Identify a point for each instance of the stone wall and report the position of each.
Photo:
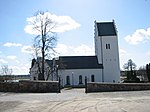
(106, 87)
(30, 86)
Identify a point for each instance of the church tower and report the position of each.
(106, 50)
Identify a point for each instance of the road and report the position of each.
(75, 100)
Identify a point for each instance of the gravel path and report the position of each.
(75, 100)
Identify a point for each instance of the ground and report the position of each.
(75, 100)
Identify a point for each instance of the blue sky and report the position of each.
(131, 16)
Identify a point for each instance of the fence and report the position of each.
(30, 86)
(106, 87)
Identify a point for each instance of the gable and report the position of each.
(49, 62)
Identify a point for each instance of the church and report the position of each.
(102, 67)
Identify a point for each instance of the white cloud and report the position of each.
(83, 50)
(20, 69)
(17, 61)
(3, 61)
(11, 57)
(68, 50)
(140, 35)
(14, 58)
(59, 23)
(17, 70)
(27, 49)
(9, 44)
(148, 54)
(122, 53)
(62, 49)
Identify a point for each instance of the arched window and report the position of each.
(68, 80)
(34, 78)
(92, 78)
(80, 79)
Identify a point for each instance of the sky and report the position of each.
(75, 35)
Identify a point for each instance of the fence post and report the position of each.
(85, 84)
(59, 91)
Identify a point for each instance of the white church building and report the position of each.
(102, 67)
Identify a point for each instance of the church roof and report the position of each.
(106, 29)
(80, 62)
(75, 62)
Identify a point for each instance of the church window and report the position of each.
(107, 46)
(92, 78)
(80, 79)
(67, 80)
(34, 78)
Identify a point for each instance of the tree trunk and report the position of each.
(42, 77)
(43, 52)
(43, 55)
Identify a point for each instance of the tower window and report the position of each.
(107, 46)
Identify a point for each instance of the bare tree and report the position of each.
(6, 72)
(45, 41)
(141, 72)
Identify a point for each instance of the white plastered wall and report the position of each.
(75, 73)
(111, 59)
